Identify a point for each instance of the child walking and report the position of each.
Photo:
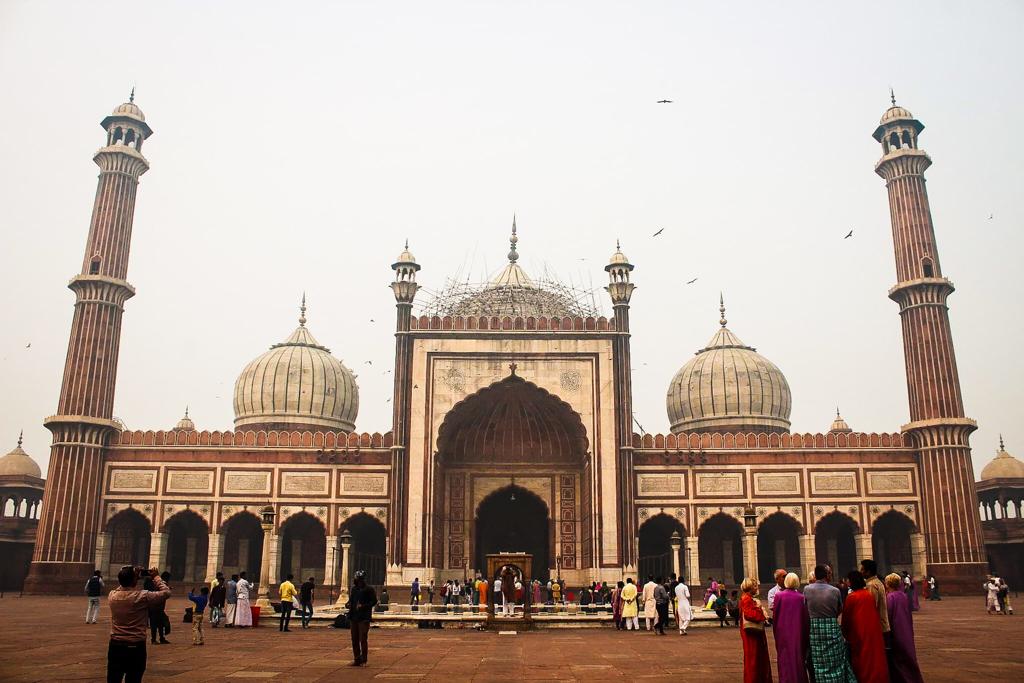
(197, 613)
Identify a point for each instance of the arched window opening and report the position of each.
(656, 557)
(927, 267)
(94, 266)
(894, 141)
(890, 540)
(303, 547)
(243, 546)
(9, 507)
(720, 549)
(118, 136)
(129, 138)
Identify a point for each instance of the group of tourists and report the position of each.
(477, 591)
(658, 599)
(864, 634)
(997, 596)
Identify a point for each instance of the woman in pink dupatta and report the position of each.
(902, 654)
(617, 604)
(791, 626)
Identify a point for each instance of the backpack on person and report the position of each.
(94, 586)
(341, 621)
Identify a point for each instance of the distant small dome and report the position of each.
(839, 424)
(297, 384)
(185, 424)
(895, 113)
(1003, 466)
(618, 258)
(129, 109)
(18, 463)
(728, 387)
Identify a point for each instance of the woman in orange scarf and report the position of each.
(757, 667)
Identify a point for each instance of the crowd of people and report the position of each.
(997, 596)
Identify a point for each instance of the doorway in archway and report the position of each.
(720, 549)
(513, 520)
(655, 536)
(369, 545)
(890, 541)
(834, 543)
(187, 542)
(778, 546)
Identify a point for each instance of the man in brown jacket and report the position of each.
(869, 570)
(129, 621)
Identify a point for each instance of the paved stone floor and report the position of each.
(44, 639)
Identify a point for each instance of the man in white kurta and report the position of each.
(650, 607)
(243, 612)
(684, 613)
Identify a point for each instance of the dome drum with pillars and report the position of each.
(728, 387)
(1001, 499)
(297, 385)
(21, 496)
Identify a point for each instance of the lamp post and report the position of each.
(750, 541)
(267, 515)
(345, 539)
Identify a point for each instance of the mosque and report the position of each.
(512, 430)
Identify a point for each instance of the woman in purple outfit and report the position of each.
(791, 625)
(903, 667)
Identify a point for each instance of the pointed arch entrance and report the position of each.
(890, 542)
(834, 543)
(188, 538)
(513, 520)
(778, 545)
(655, 547)
(369, 547)
(720, 549)
(130, 535)
(512, 438)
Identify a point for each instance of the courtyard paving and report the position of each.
(44, 639)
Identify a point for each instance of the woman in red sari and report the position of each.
(757, 667)
(863, 631)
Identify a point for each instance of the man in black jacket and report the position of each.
(361, 601)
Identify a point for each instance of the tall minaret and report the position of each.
(66, 540)
(938, 427)
(620, 289)
(404, 287)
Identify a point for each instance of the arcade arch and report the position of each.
(130, 535)
(834, 543)
(369, 547)
(720, 549)
(890, 542)
(655, 547)
(778, 545)
(188, 539)
(513, 519)
(243, 545)
(303, 547)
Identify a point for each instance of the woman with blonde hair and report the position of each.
(757, 667)
(792, 628)
(903, 667)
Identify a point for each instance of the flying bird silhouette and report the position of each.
(660, 230)
(28, 346)
(848, 235)
(664, 101)
(692, 281)
(369, 362)
(991, 216)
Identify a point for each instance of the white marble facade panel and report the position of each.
(889, 482)
(132, 480)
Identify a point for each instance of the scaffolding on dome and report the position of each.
(539, 297)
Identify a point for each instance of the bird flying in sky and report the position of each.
(664, 101)
(848, 235)
(692, 281)
(991, 216)
(660, 230)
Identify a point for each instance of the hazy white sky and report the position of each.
(298, 144)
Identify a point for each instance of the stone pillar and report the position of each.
(263, 602)
(190, 559)
(103, 552)
(330, 578)
(215, 557)
(158, 551)
(807, 561)
(344, 579)
(676, 544)
(275, 558)
(919, 555)
(749, 555)
(863, 543)
(692, 561)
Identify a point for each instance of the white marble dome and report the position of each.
(729, 387)
(297, 385)
(1003, 466)
(18, 463)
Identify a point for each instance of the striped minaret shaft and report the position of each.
(70, 519)
(938, 426)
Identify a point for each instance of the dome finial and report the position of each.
(186, 410)
(407, 243)
(837, 411)
(21, 435)
(721, 309)
(302, 311)
(892, 96)
(131, 98)
(513, 255)
(1001, 446)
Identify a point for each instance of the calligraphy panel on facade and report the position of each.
(186, 481)
(132, 481)
(719, 483)
(833, 483)
(890, 481)
(661, 484)
(375, 484)
(237, 481)
(305, 483)
(777, 483)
